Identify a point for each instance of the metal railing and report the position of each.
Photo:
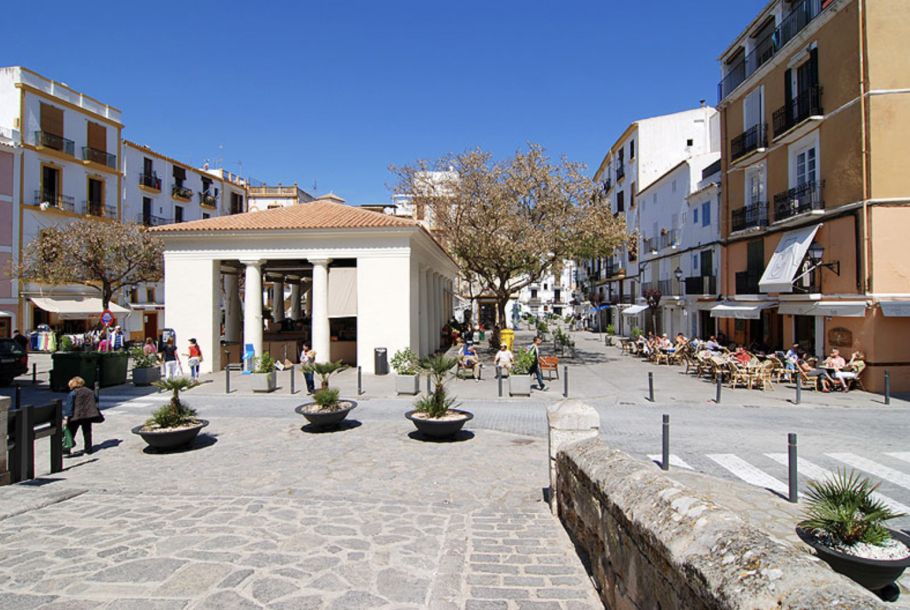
(181, 191)
(799, 200)
(649, 244)
(49, 140)
(751, 139)
(669, 238)
(151, 181)
(608, 184)
(61, 202)
(754, 215)
(668, 287)
(747, 282)
(701, 284)
(152, 221)
(807, 103)
(208, 199)
(93, 208)
(99, 156)
(791, 25)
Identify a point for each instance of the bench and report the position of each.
(549, 365)
(467, 372)
(24, 427)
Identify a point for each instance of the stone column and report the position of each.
(309, 300)
(278, 300)
(232, 315)
(424, 313)
(320, 293)
(437, 311)
(295, 298)
(569, 421)
(252, 305)
(4, 466)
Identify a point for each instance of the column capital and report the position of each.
(322, 262)
(252, 263)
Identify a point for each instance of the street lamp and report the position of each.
(678, 274)
(816, 252)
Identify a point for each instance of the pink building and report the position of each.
(9, 165)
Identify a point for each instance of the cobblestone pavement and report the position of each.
(263, 514)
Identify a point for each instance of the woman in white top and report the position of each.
(504, 360)
(308, 356)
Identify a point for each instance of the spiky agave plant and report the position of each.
(175, 413)
(843, 508)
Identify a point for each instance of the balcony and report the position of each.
(648, 287)
(701, 284)
(44, 139)
(608, 184)
(669, 239)
(747, 282)
(800, 200)
(668, 287)
(610, 269)
(620, 172)
(804, 105)
(752, 139)
(99, 156)
(152, 221)
(46, 200)
(208, 200)
(150, 181)
(752, 216)
(650, 245)
(181, 192)
(94, 208)
(792, 24)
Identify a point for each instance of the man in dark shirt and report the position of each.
(22, 340)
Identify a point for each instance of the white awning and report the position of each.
(77, 308)
(786, 260)
(634, 310)
(828, 309)
(142, 306)
(342, 292)
(895, 309)
(741, 311)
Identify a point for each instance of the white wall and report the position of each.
(384, 304)
(193, 298)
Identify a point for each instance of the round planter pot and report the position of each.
(440, 428)
(325, 419)
(170, 439)
(874, 574)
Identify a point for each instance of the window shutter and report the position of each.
(788, 86)
(179, 173)
(813, 66)
(51, 120)
(97, 136)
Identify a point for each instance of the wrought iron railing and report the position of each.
(701, 284)
(799, 200)
(151, 181)
(620, 172)
(183, 192)
(99, 156)
(754, 215)
(669, 238)
(751, 139)
(96, 208)
(208, 199)
(807, 103)
(49, 140)
(61, 202)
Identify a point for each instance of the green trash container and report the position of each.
(67, 365)
(113, 368)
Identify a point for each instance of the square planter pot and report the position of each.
(519, 385)
(407, 384)
(146, 376)
(264, 382)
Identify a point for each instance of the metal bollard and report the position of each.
(794, 475)
(227, 379)
(428, 383)
(887, 388)
(18, 396)
(34, 373)
(565, 382)
(650, 386)
(719, 386)
(293, 381)
(799, 391)
(499, 379)
(359, 380)
(97, 391)
(665, 449)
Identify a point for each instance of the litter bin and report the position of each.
(507, 336)
(380, 361)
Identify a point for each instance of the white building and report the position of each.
(554, 294)
(374, 281)
(264, 197)
(10, 159)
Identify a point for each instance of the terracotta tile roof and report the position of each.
(318, 214)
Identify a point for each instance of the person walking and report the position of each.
(21, 340)
(194, 357)
(80, 410)
(149, 348)
(170, 358)
(307, 357)
(535, 367)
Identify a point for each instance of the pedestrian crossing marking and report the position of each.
(904, 456)
(675, 461)
(748, 473)
(880, 470)
(817, 473)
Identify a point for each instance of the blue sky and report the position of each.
(335, 92)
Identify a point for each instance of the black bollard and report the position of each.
(650, 386)
(665, 457)
(18, 396)
(565, 382)
(887, 388)
(719, 386)
(359, 380)
(227, 379)
(34, 373)
(794, 475)
(799, 391)
(293, 381)
(97, 391)
(499, 379)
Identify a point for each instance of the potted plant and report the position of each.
(435, 414)
(520, 379)
(405, 363)
(844, 523)
(635, 333)
(265, 379)
(145, 367)
(326, 409)
(175, 424)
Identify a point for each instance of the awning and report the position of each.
(828, 309)
(343, 292)
(77, 308)
(741, 311)
(5, 314)
(787, 260)
(634, 310)
(144, 306)
(895, 309)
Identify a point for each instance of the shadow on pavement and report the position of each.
(461, 436)
(201, 442)
(345, 424)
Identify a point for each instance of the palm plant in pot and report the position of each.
(146, 369)
(174, 424)
(265, 379)
(436, 414)
(844, 523)
(405, 363)
(327, 409)
(520, 379)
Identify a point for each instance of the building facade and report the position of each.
(10, 158)
(264, 197)
(814, 109)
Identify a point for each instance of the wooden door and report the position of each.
(150, 327)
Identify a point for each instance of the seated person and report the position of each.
(504, 360)
(664, 342)
(791, 357)
(836, 362)
(852, 370)
(712, 344)
(681, 340)
(741, 356)
(810, 368)
(467, 358)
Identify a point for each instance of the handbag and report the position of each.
(68, 442)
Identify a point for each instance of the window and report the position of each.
(178, 213)
(147, 167)
(694, 261)
(50, 185)
(695, 215)
(52, 128)
(632, 196)
(533, 293)
(689, 143)
(556, 295)
(631, 149)
(804, 162)
(179, 176)
(755, 184)
(673, 186)
(236, 203)
(205, 215)
(95, 197)
(134, 295)
(707, 263)
(706, 213)
(753, 109)
(147, 211)
(206, 184)
(620, 201)
(545, 286)
(97, 137)
(150, 295)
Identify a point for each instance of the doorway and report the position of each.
(150, 325)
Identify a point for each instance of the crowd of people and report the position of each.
(503, 360)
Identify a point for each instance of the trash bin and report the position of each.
(380, 361)
(507, 336)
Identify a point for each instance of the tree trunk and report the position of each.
(106, 295)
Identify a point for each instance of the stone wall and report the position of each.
(654, 544)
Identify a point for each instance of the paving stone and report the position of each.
(147, 604)
(486, 604)
(358, 599)
(499, 593)
(141, 570)
(17, 601)
(401, 586)
(264, 590)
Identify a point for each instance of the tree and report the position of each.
(103, 256)
(508, 223)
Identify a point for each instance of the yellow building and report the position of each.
(815, 119)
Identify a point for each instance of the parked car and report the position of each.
(13, 361)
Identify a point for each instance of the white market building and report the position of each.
(342, 279)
